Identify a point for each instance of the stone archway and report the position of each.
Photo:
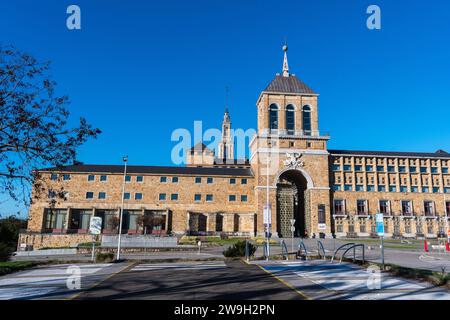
(291, 203)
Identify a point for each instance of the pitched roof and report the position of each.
(200, 147)
(290, 84)
(437, 154)
(201, 171)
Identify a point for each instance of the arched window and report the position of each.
(290, 119)
(273, 117)
(306, 116)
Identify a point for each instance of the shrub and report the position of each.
(105, 257)
(5, 251)
(238, 250)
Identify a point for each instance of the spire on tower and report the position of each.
(226, 116)
(285, 61)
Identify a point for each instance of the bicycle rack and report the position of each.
(321, 247)
(284, 250)
(300, 246)
(341, 247)
(354, 252)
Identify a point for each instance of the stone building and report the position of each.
(290, 175)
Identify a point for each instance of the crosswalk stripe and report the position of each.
(145, 267)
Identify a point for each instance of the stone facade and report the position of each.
(331, 193)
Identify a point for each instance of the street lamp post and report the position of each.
(125, 160)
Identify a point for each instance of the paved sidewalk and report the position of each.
(51, 282)
(319, 279)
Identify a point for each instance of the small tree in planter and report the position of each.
(113, 223)
(144, 221)
(158, 222)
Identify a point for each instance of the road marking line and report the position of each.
(101, 281)
(285, 283)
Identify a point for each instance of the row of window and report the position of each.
(396, 224)
(163, 196)
(384, 206)
(198, 197)
(401, 169)
(403, 189)
(392, 161)
(290, 118)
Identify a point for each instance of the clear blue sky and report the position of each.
(140, 69)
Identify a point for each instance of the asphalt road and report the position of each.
(192, 281)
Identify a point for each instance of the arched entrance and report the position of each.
(291, 201)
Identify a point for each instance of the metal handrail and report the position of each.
(302, 244)
(354, 252)
(320, 246)
(284, 250)
(341, 247)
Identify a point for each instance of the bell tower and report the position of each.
(289, 157)
(226, 146)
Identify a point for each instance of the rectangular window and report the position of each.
(54, 176)
(337, 187)
(139, 178)
(403, 189)
(391, 169)
(174, 196)
(66, 177)
(361, 207)
(231, 197)
(89, 195)
(359, 187)
(392, 189)
(384, 207)
(381, 188)
(380, 168)
(209, 197)
(436, 189)
(425, 189)
(198, 180)
(163, 179)
(336, 167)
(412, 169)
(446, 190)
(209, 180)
(402, 169)
(414, 189)
(423, 170)
(406, 208)
(55, 219)
(444, 170)
(232, 181)
(370, 188)
(127, 178)
(447, 208)
(244, 198)
(358, 168)
(369, 168)
(347, 167)
(91, 177)
(197, 197)
(348, 187)
(103, 178)
(174, 179)
(102, 195)
(244, 181)
(126, 196)
(434, 170)
(429, 208)
(138, 196)
(321, 213)
(162, 196)
(338, 207)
